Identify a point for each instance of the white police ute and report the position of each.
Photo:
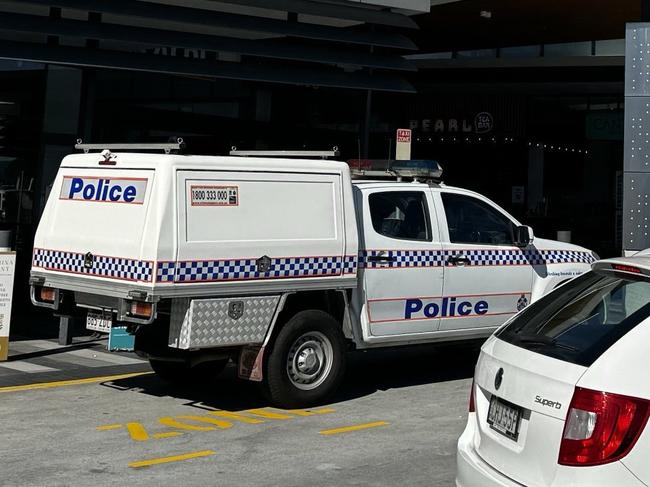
(280, 263)
(560, 394)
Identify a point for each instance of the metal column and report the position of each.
(636, 163)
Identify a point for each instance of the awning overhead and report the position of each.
(80, 56)
(370, 14)
(361, 46)
(158, 37)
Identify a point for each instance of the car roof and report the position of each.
(372, 183)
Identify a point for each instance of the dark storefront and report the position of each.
(541, 135)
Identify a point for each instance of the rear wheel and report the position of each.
(306, 362)
(182, 373)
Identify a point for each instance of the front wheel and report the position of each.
(306, 363)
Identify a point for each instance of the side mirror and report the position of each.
(524, 236)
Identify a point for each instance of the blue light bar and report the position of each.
(382, 168)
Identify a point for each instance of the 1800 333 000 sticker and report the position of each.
(214, 195)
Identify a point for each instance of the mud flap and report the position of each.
(250, 363)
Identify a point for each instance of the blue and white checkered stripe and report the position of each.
(286, 267)
(561, 256)
(401, 258)
(477, 257)
(103, 266)
(243, 269)
(350, 264)
(165, 271)
(494, 257)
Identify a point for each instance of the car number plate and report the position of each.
(504, 417)
(99, 322)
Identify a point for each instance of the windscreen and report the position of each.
(579, 321)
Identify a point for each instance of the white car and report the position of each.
(561, 392)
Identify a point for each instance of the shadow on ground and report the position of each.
(367, 373)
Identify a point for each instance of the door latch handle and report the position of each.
(459, 260)
(381, 258)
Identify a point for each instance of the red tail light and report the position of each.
(626, 268)
(472, 404)
(601, 427)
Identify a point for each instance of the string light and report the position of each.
(476, 139)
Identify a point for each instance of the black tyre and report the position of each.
(306, 362)
(182, 374)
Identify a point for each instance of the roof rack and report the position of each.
(317, 154)
(166, 147)
(414, 169)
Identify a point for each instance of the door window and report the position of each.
(400, 214)
(470, 220)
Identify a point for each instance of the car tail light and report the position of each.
(626, 268)
(472, 404)
(140, 308)
(601, 427)
(47, 294)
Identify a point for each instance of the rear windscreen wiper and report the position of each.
(543, 340)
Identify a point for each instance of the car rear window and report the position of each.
(579, 321)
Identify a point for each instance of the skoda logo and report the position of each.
(498, 379)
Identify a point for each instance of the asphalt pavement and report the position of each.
(395, 421)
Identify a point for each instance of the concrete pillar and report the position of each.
(66, 330)
(63, 93)
(636, 153)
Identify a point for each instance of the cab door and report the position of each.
(488, 278)
(401, 262)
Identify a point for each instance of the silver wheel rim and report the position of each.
(309, 361)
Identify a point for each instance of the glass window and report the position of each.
(470, 220)
(581, 320)
(400, 214)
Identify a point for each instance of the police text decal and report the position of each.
(103, 190)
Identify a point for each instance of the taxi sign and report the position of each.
(403, 145)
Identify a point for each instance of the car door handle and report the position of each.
(381, 258)
(459, 260)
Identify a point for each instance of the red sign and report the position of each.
(403, 135)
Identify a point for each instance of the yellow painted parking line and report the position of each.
(356, 427)
(137, 431)
(173, 458)
(174, 423)
(167, 434)
(72, 382)
(267, 414)
(236, 417)
(203, 419)
(109, 427)
(310, 412)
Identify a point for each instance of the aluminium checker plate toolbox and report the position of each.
(203, 323)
